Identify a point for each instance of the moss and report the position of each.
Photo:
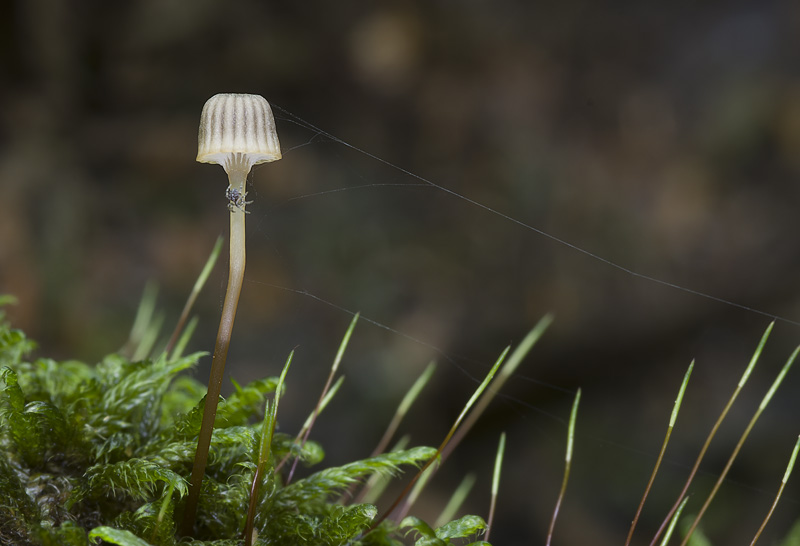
(103, 453)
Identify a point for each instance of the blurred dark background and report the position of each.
(664, 137)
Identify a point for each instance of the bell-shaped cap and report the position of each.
(237, 128)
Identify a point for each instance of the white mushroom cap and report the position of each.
(237, 128)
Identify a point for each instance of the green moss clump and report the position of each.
(103, 453)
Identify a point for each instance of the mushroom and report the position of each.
(237, 131)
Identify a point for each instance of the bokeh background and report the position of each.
(664, 137)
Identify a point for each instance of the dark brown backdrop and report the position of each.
(662, 137)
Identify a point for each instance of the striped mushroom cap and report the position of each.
(237, 129)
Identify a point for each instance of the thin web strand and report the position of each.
(450, 359)
(301, 122)
(350, 188)
(667, 462)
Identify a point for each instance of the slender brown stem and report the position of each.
(740, 443)
(649, 486)
(470, 403)
(404, 493)
(702, 454)
(567, 465)
(304, 439)
(672, 419)
(697, 462)
(505, 373)
(786, 474)
(481, 400)
(237, 178)
(251, 507)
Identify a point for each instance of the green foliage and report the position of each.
(136, 478)
(442, 536)
(117, 536)
(101, 454)
(310, 454)
(326, 482)
(245, 402)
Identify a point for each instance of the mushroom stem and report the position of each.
(237, 176)
(236, 131)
